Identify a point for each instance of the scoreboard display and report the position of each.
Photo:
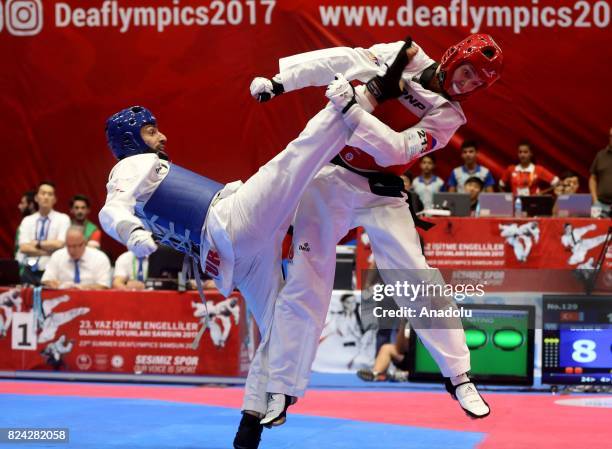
(501, 343)
(577, 340)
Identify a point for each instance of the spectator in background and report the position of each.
(130, 272)
(415, 202)
(40, 234)
(600, 181)
(27, 206)
(569, 185)
(469, 169)
(526, 178)
(77, 265)
(473, 186)
(396, 353)
(79, 210)
(427, 184)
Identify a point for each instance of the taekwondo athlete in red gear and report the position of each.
(340, 197)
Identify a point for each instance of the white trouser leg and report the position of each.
(272, 194)
(322, 218)
(259, 281)
(396, 246)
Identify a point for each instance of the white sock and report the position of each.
(459, 379)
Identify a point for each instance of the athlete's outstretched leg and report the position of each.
(272, 194)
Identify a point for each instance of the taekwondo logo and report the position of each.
(22, 17)
(576, 241)
(521, 238)
(305, 247)
(83, 362)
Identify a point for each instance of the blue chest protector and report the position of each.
(176, 211)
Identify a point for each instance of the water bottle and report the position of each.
(477, 211)
(518, 207)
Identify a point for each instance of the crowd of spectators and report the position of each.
(57, 250)
(524, 178)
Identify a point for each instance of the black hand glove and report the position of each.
(387, 86)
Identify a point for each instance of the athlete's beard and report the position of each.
(162, 155)
(160, 150)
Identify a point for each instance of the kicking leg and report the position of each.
(271, 195)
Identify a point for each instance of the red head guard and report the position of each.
(481, 51)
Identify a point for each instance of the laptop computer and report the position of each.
(537, 205)
(576, 205)
(496, 205)
(165, 264)
(9, 272)
(457, 203)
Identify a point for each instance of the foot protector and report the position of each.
(469, 399)
(278, 404)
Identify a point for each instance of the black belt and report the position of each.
(387, 184)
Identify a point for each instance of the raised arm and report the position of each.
(318, 68)
(389, 147)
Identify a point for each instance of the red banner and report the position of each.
(67, 65)
(539, 255)
(509, 243)
(123, 332)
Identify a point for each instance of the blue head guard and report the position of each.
(123, 131)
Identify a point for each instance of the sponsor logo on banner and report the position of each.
(23, 17)
(83, 362)
(117, 361)
(101, 361)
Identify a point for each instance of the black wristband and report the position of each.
(277, 88)
(374, 87)
(349, 105)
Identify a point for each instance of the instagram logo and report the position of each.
(24, 17)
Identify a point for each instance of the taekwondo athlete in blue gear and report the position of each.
(236, 230)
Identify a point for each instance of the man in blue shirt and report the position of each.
(469, 169)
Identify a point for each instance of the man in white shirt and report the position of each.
(130, 272)
(77, 265)
(41, 233)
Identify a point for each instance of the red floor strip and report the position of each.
(517, 421)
